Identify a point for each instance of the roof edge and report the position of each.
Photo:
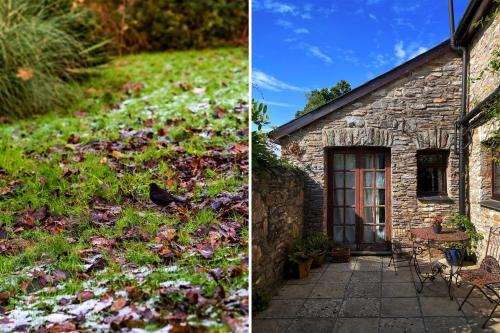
(362, 90)
(474, 11)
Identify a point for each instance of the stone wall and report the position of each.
(277, 218)
(416, 111)
(482, 84)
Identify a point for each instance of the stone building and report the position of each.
(386, 153)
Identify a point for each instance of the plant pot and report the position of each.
(341, 254)
(437, 229)
(453, 256)
(318, 260)
(471, 257)
(303, 268)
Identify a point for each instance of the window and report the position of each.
(496, 179)
(431, 172)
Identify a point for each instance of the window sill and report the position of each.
(492, 204)
(435, 198)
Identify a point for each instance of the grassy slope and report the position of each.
(41, 165)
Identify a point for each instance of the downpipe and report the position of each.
(461, 127)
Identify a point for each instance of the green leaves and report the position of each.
(319, 97)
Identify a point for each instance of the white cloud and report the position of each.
(404, 23)
(403, 53)
(315, 51)
(290, 39)
(278, 7)
(284, 105)
(398, 8)
(380, 60)
(268, 82)
(418, 51)
(301, 31)
(308, 7)
(306, 16)
(399, 51)
(373, 17)
(373, 2)
(284, 23)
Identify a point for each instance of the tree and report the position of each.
(319, 97)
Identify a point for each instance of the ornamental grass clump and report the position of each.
(40, 51)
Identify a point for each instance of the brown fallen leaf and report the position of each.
(116, 154)
(119, 304)
(62, 327)
(4, 297)
(74, 139)
(24, 74)
(85, 295)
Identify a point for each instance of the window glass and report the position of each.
(496, 180)
(431, 172)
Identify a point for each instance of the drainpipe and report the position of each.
(461, 129)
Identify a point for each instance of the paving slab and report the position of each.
(401, 325)
(399, 276)
(366, 276)
(312, 278)
(328, 290)
(291, 291)
(335, 277)
(360, 307)
(320, 308)
(439, 307)
(360, 289)
(280, 308)
(305, 325)
(447, 325)
(341, 266)
(270, 325)
(400, 307)
(399, 289)
(350, 325)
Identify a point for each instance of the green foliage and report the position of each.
(260, 300)
(297, 252)
(172, 24)
(40, 50)
(263, 156)
(259, 114)
(319, 97)
(470, 229)
(316, 242)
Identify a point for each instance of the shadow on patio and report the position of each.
(365, 295)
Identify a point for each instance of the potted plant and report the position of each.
(437, 224)
(453, 252)
(300, 262)
(462, 222)
(316, 244)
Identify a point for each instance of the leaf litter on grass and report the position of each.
(82, 248)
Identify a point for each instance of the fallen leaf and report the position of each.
(85, 295)
(119, 304)
(62, 327)
(116, 154)
(24, 73)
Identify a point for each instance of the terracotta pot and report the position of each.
(318, 260)
(304, 268)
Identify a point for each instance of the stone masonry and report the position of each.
(485, 41)
(416, 111)
(277, 208)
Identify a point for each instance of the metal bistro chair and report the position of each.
(487, 277)
(402, 246)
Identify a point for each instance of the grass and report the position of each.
(53, 170)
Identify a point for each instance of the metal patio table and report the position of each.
(435, 240)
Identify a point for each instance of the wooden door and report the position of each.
(359, 198)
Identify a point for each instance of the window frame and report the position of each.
(443, 165)
(493, 174)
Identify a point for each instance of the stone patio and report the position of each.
(366, 296)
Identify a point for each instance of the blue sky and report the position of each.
(301, 45)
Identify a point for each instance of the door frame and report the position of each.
(330, 151)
